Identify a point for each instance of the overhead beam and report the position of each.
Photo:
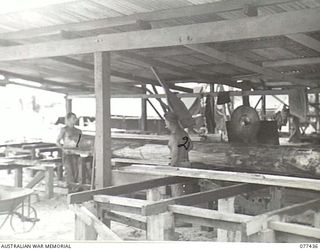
(138, 79)
(188, 11)
(306, 40)
(291, 62)
(42, 81)
(156, 63)
(215, 94)
(83, 66)
(241, 63)
(245, 28)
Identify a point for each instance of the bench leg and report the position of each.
(18, 177)
(49, 182)
(227, 205)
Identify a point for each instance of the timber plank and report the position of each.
(124, 189)
(197, 198)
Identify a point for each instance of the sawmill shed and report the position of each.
(252, 190)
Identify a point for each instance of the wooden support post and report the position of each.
(49, 182)
(144, 115)
(83, 231)
(264, 236)
(102, 66)
(276, 198)
(101, 214)
(156, 194)
(160, 227)
(68, 105)
(317, 112)
(18, 177)
(263, 108)
(227, 206)
(82, 170)
(316, 219)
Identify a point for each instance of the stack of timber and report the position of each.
(301, 161)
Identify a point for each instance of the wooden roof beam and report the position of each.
(138, 79)
(41, 80)
(188, 11)
(156, 63)
(245, 28)
(67, 87)
(306, 41)
(241, 63)
(292, 62)
(80, 64)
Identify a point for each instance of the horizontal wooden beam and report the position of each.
(120, 204)
(123, 189)
(197, 198)
(215, 94)
(245, 28)
(259, 221)
(209, 218)
(40, 80)
(295, 229)
(188, 11)
(262, 179)
(126, 219)
(306, 41)
(173, 68)
(292, 62)
(209, 214)
(244, 64)
(136, 78)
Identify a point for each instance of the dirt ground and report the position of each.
(57, 220)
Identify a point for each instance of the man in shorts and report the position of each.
(70, 136)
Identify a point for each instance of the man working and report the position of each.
(179, 144)
(70, 137)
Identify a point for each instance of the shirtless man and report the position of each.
(179, 144)
(70, 137)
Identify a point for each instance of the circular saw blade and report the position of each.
(245, 123)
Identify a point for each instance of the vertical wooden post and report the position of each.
(276, 198)
(102, 64)
(49, 182)
(246, 99)
(82, 170)
(101, 214)
(316, 219)
(156, 194)
(227, 206)
(68, 105)
(264, 236)
(317, 112)
(18, 177)
(160, 227)
(83, 231)
(263, 108)
(144, 115)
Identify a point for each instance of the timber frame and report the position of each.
(158, 214)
